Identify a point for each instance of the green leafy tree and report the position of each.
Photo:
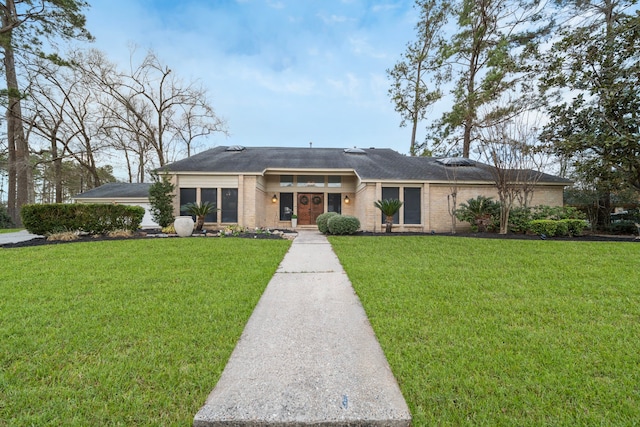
(200, 211)
(24, 25)
(592, 79)
(486, 56)
(410, 84)
(161, 199)
(388, 207)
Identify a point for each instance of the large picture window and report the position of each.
(286, 206)
(391, 193)
(411, 205)
(210, 195)
(229, 211)
(187, 195)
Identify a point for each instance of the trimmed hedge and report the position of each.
(343, 224)
(322, 220)
(563, 227)
(91, 218)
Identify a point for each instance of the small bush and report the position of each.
(519, 219)
(623, 227)
(343, 224)
(547, 227)
(5, 219)
(575, 227)
(322, 220)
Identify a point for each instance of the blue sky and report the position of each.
(281, 72)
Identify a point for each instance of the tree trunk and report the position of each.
(20, 172)
(388, 223)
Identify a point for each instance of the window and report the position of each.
(210, 195)
(391, 193)
(286, 206)
(411, 205)
(310, 181)
(286, 180)
(229, 209)
(187, 195)
(334, 202)
(334, 181)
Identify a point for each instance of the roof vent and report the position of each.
(235, 148)
(354, 150)
(456, 161)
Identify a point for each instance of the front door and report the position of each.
(310, 205)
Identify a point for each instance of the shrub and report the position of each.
(161, 200)
(90, 218)
(322, 221)
(343, 224)
(575, 227)
(519, 219)
(547, 227)
(623, 227)
(5, 219)
(481, 213)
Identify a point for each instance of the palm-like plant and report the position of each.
(200, 211)
(388, 207)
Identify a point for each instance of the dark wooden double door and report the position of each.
(310, 205)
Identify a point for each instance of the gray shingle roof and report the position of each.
(369, 164)
(117, 190)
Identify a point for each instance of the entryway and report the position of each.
(310, 205)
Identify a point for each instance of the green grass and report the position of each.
(126, 332)
(495, 332)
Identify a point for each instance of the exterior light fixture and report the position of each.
(274, 199)
(347, 200)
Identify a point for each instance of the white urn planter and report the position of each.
(183, 226)
(294, 222)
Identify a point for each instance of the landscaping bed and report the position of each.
(149, 234)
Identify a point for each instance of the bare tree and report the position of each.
(24, 24)
(64, 113)
(509, 149)
(160, 113)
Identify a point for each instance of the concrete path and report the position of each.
(16, 237)
(308, 355)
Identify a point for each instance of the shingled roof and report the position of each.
(369, 164)
(117, 190)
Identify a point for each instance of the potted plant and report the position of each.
(294, 221)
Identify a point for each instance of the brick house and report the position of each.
(264, 186)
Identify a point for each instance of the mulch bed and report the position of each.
(141, 235)
(587, 237)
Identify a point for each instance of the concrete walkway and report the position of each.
(17, 237)
(308, 355)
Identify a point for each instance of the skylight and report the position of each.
(354, 150)
(456, 161)
(235, 148)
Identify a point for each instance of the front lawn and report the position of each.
(504, 332)
(124, 332)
